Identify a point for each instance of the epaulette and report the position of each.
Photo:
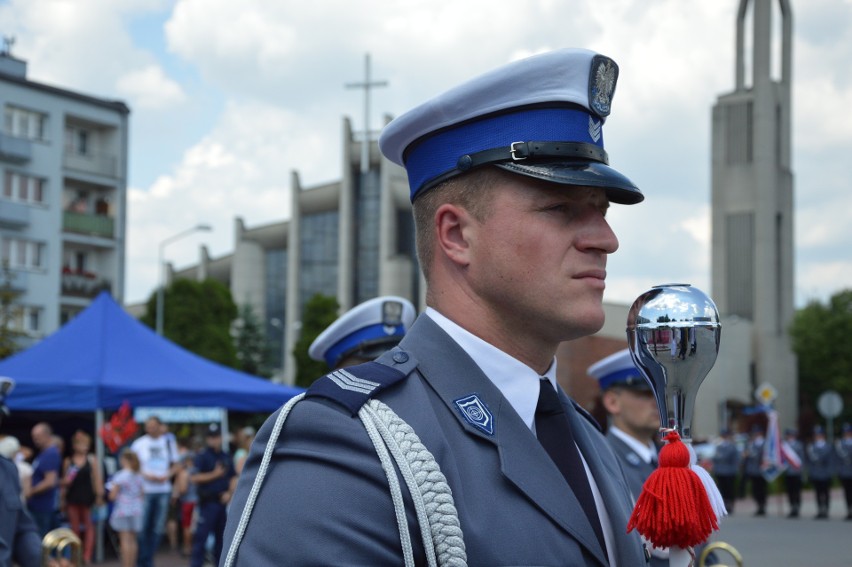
(582, 411)
(351, 387)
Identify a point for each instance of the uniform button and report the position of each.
(400, 357)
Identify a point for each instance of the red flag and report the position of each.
(119, 429)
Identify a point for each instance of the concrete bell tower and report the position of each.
(752, 204)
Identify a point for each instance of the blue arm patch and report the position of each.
(352, 387)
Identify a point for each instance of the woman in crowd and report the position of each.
(82, 488)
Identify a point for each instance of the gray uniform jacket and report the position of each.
(820, 461)
(19, 537)
(844, 458)
(726, 459)
(636, 470)
(326, 501)
(753, 457)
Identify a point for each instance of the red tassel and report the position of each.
(673, 509)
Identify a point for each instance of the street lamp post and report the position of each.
(161, 287)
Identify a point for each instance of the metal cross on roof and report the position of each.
(367, 85)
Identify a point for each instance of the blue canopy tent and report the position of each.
(104, 356)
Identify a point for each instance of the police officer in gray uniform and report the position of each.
(634, 420)
(633, 423)
(793, 474)
(844, 465)
(752, 459)
(454, 447)
(19, 536)
(726, 465)
(820, 458)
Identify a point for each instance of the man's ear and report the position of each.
(609, 399)
(452, 227)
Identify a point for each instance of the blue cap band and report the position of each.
(619, 376)
(429, 160)
(353, 340)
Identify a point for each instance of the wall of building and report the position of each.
(73, 147)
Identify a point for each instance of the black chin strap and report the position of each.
(520, 151)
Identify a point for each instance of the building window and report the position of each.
(33, 319)
(26, 319)
(23, 254)
(77, 140)
(23, 123)
(23, 188)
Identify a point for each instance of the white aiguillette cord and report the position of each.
(395, 443)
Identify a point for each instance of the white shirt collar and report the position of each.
(517, 382)
(645, 452)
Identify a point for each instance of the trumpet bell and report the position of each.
(720, 545)
(61, 544)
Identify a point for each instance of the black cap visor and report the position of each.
(618, 188)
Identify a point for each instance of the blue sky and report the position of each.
(228, 98)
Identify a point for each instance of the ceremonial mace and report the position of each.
(673, 332)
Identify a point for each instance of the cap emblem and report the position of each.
(392, 313)
(476, 413)
(602, 78)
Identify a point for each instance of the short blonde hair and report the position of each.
(468, 191)
(132, 459)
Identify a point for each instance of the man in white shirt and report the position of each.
(158, 458)
(509, 186)
(633, 422)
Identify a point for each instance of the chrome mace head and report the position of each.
(673, 331)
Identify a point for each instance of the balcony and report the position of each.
(14, 215)
(15, 150)
(85, 223)
(97, 163)
(80, 283)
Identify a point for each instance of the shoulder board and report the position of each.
(351, 387)
(582, 411)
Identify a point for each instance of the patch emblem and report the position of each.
(476, 413)
(350, 382)
(595, 129)
(602, 78)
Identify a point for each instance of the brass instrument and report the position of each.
(724, 547)
(60, 544)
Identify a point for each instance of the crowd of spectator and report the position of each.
(155, 486)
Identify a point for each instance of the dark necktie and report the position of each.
(554, 434)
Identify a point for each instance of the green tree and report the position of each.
(10, 312)
(820, 335)
(320, 312)
(198, 317)
(251, 343)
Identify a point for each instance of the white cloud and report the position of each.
(149, 87)
(242, 168)
(265, 80)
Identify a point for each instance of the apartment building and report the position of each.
(63, 166)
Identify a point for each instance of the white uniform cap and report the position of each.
(369, 329)
(618, 369)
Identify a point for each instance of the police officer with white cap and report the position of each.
(820, 458)
(844, 465)
(458, 447)
(726, 467)
(634, 422)
(364, 332)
